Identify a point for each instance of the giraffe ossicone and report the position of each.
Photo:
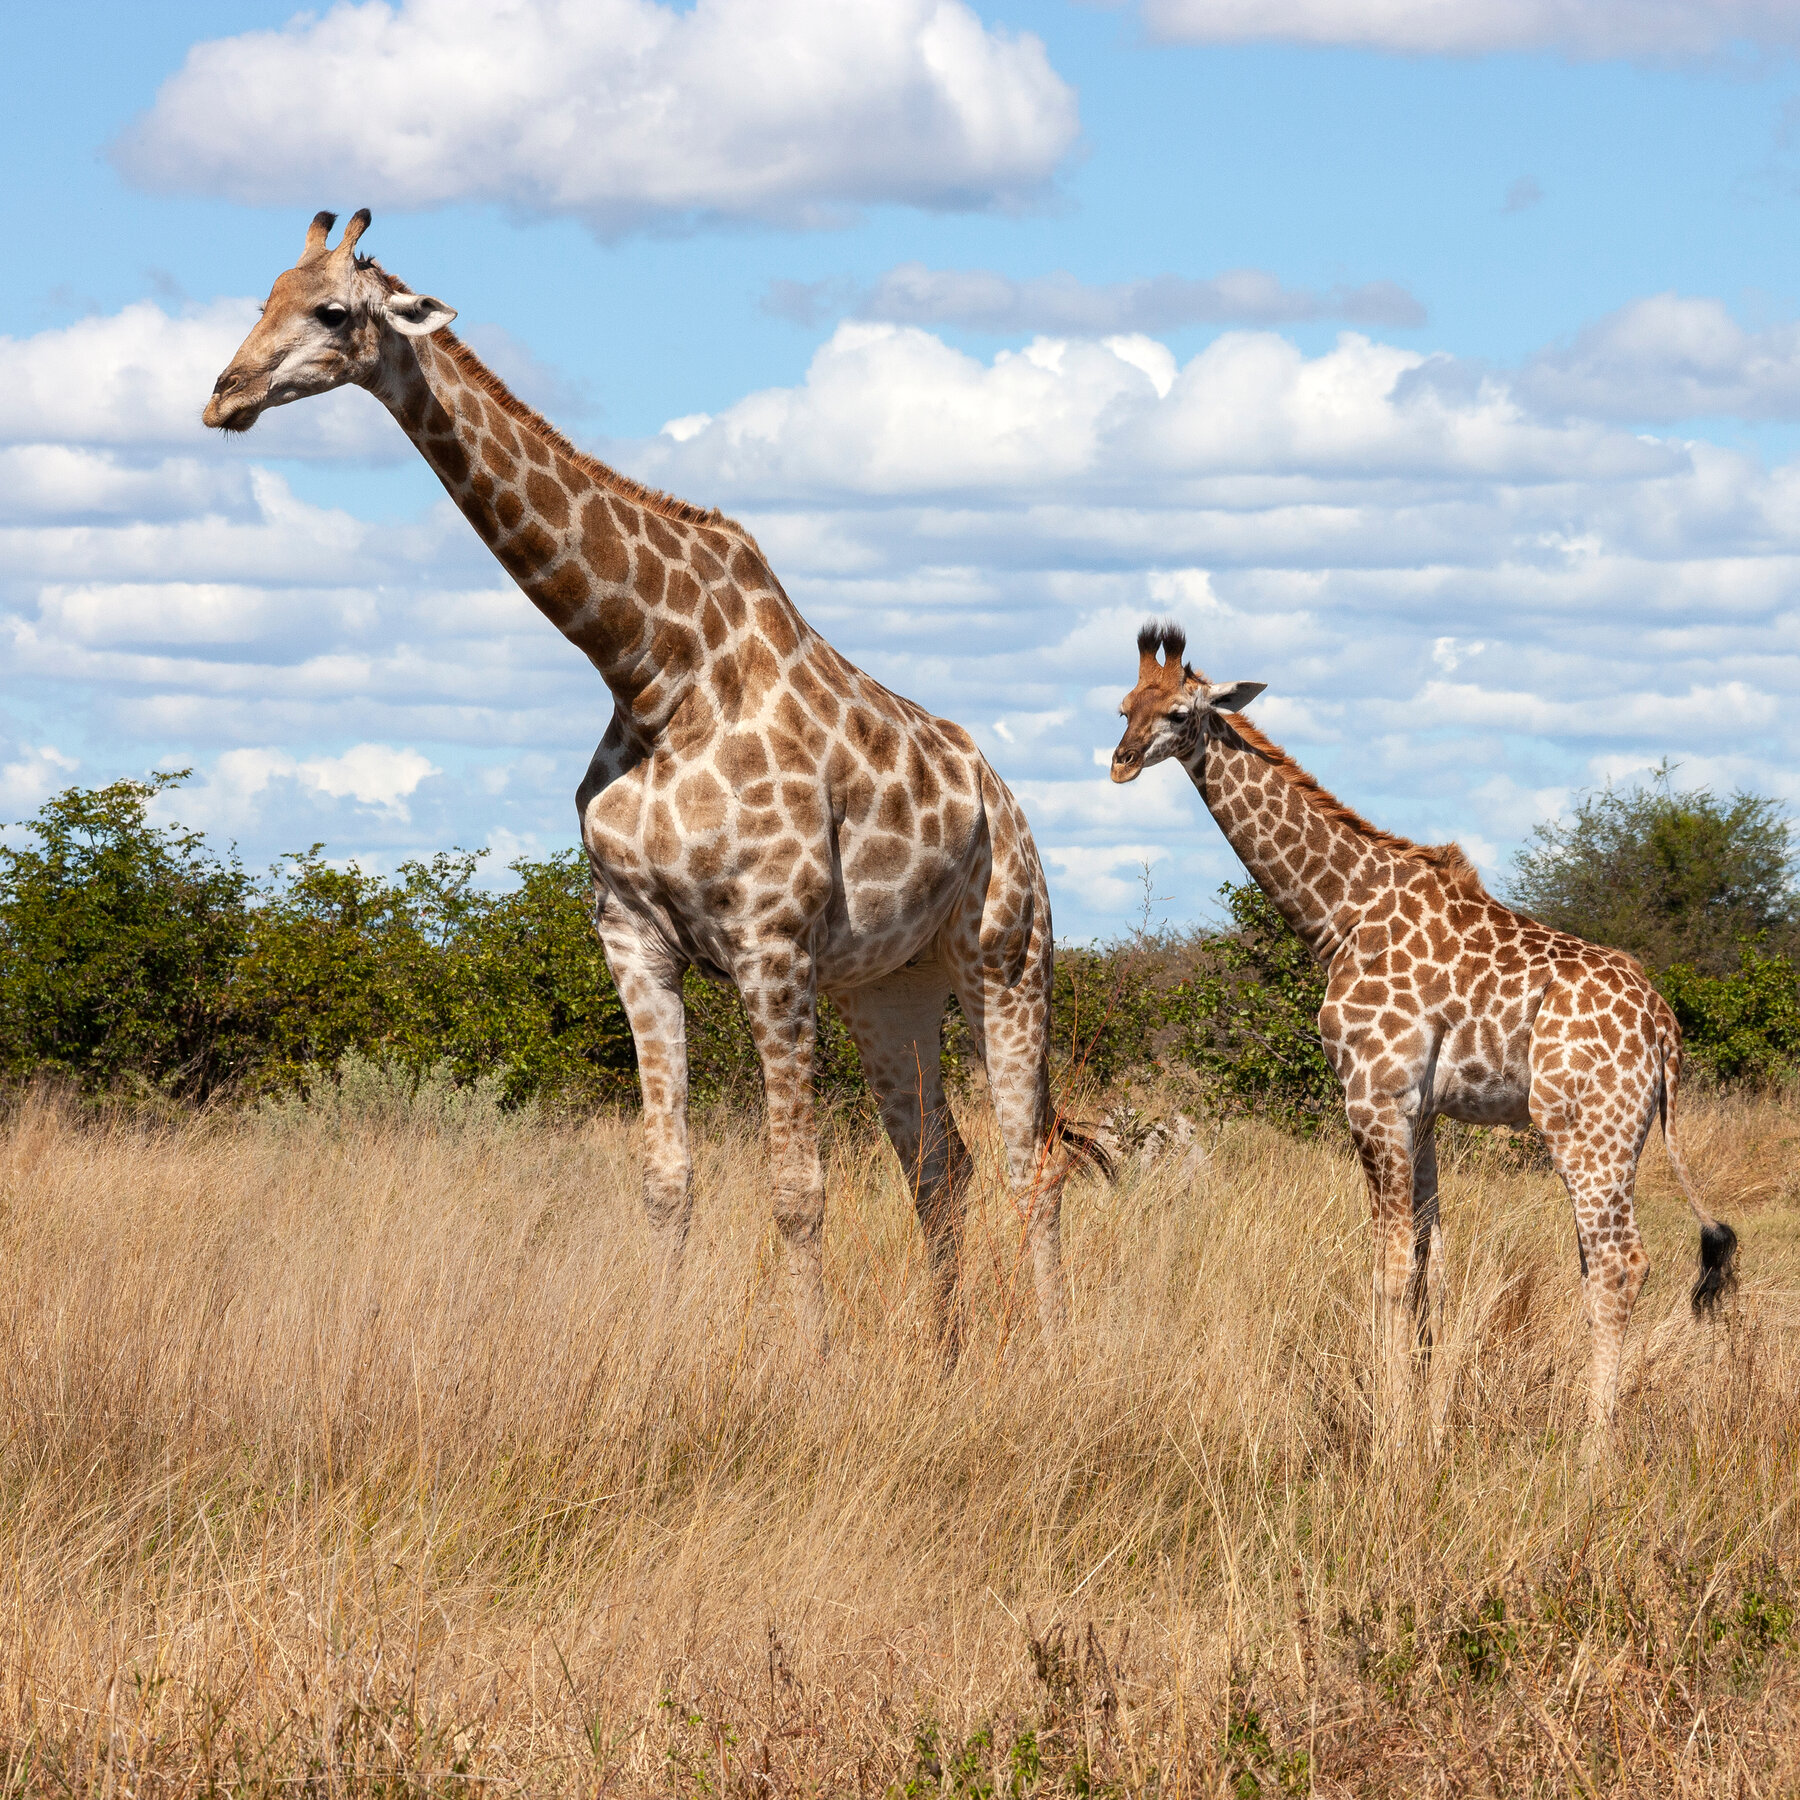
(1440, 1002)
(758, 808)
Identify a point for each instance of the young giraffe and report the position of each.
(758, 809)
(1440, 1001)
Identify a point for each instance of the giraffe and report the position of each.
(1440, 1001)
(759, 809)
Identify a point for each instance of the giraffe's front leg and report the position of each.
(1383, 1133)
(780, 992)
(649, 984)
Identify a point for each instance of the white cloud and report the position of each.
(65, 482)
(189, 612)
(1089, 874)
(889, 409)
(235, 791)
(1651, 30)
(35, 773)
(1162, 796)
(985, 300)
(1669, 357)
(140, 377)
(617, 112)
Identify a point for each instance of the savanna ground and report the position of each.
(345, 1451)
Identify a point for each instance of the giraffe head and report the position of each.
(1166, 714)
(330, 319)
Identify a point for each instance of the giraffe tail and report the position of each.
(1718, 1242)
(1083, 1143)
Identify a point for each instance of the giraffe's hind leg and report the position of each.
(1594, 1144)
(1425, 1287)
(1425, 1279)
(1009, 1022)
(896, 1023)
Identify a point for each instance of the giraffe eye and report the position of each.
(331, 314)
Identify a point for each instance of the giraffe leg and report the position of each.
(1425, 1280)
(896, 1023)
(1600, 1174)
(1009, 1023)
(781, 996)
(1425, 1289)
(649, 984)
(1384, 1142)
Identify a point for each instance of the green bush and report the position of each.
(1743, 1027)
(1247, 1018)
(119, 944)
(133, 958)
(1672, 876)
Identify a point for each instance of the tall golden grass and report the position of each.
(349, 1448)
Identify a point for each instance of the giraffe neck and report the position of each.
(1312, 864)
(604, 564)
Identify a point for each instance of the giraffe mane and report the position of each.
(627, 487)
(1447, 859)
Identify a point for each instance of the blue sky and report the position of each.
(1448, 386)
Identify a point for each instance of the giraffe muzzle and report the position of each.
(1127, 765)
(229, 409)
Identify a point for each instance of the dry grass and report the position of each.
(344, 1450)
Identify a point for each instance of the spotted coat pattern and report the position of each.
(1440, 1002)
(758, 809)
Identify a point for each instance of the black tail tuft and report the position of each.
(1718, 1271)
(1083, 1143)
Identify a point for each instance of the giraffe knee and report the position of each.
(668, 1197)
(800, 1211)
(1393, 1266)
(1614, 1278)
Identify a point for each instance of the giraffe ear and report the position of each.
(417, 315)
(1233, 696)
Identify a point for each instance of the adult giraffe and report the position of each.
(1440, 1001)
(758, 809)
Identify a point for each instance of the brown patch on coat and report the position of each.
(547, 500)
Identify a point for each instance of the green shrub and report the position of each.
(132, 957)
(1247, 1018)
(119, 944)
(1672, 876)
(1743, 1027)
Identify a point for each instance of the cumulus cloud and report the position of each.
(622, 113)
(31, 776)
(889, 409)
(1109, 882)
(1669, 357)
(70, 482)
(231, 794)
(1640, 30)
(1469, 594)
(984, 300)
(140, 376)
